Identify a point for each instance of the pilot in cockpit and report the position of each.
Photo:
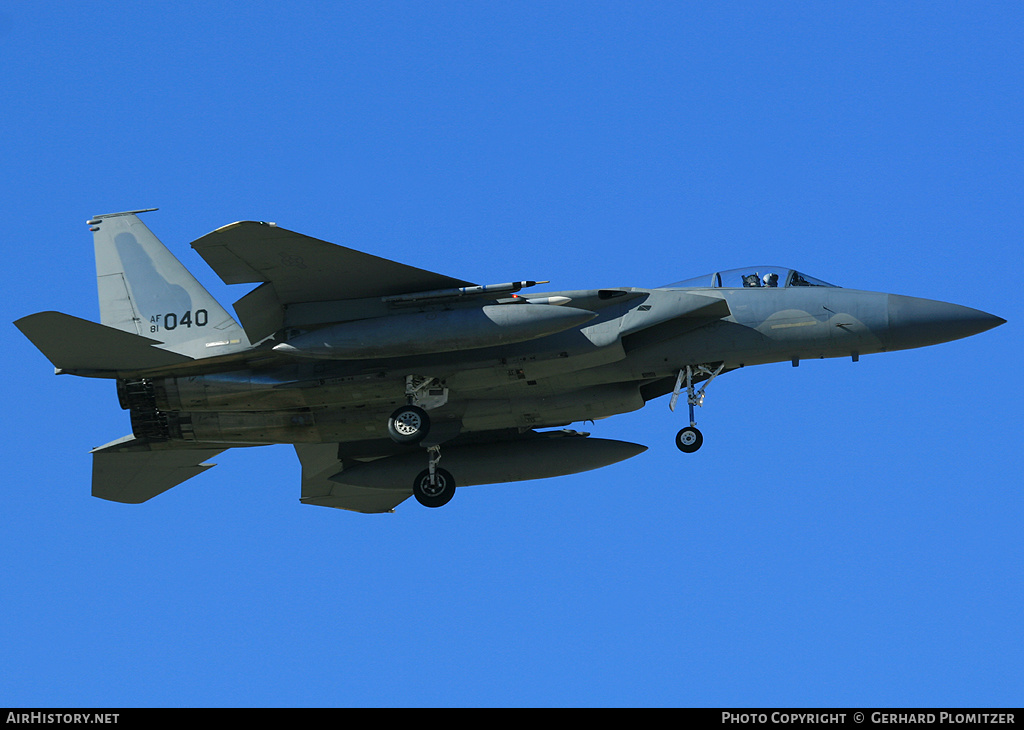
(771, 279)
(752, 280)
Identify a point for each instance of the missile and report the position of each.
(462, 291)
(554, 301)
(423, 333)
(495, 463)
(517, 299)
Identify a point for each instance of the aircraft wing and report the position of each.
(319, 463)
(305, 269)
(360, 499)
(378, 485)
(131, 471)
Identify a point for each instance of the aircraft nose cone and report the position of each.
(919, 322)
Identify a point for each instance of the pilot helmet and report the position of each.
(771, 279)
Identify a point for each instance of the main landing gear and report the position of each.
(433, 487)
(690, 438)
(410, 424)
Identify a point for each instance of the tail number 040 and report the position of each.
(171, 320)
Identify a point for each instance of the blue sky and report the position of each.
(849, 535)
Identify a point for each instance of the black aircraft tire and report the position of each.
(689, 440)
(408, 425)
(436, 495)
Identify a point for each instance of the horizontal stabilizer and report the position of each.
(130, 471)
(77, 345)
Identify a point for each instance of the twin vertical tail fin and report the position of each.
(144, 290)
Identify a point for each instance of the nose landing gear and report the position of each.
(690, 438)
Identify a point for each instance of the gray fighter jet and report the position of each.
(374, 370)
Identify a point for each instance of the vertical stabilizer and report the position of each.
(145, 290)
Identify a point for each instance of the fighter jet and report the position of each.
(392, 381)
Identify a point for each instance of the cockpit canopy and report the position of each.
(749, 277)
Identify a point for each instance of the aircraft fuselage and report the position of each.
(629, 353)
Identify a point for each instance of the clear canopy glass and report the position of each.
(750, 277)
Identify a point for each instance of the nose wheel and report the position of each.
(690, 438)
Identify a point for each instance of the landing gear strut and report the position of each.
(433, 487)
(690, 439)
(410, 424)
